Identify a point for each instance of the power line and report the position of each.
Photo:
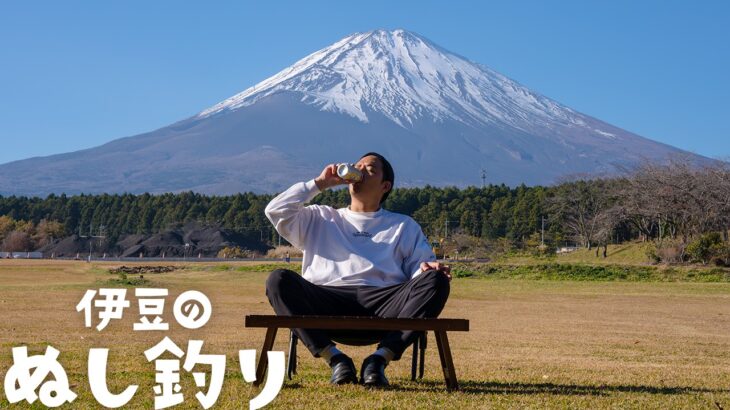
(101, 235)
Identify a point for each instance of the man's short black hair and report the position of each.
(388, 174)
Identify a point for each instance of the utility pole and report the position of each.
(542, 233)
(484, 178)
(446, 230)
(91, 237)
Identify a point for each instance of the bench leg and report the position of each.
(422, 353)
(447, 364)
(291, 366)
(264, 359)
(414, 360)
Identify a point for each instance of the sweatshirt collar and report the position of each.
(373, 214)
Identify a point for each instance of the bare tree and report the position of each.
(718, 192)
(582, 207)
(674, 201)
(678, 200)
(17, 241)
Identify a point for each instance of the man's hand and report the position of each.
(445, 269)
(328, 178)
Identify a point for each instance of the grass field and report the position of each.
(532, 344)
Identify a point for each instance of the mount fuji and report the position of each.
(438, 117)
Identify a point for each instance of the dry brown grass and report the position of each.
(533, 344)
(280, 252)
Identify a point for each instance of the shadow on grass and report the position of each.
(477, 387)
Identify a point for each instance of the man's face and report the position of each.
(372, 184)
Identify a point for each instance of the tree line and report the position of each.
(672, 203)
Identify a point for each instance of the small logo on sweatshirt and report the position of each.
(363, 233)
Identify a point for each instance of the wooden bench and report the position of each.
(439, 326)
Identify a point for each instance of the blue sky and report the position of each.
(74, 75)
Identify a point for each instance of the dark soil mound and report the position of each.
(68, 246)
(127, 241)
(190, 240)
(135, 270)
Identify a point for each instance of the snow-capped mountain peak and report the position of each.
(406, 78)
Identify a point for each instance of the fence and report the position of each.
(21, 255)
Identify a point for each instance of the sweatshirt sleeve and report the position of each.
(420, 252)
(289, 215)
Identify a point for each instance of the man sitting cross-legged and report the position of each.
(358, 261)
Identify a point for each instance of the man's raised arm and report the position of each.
(287, 211)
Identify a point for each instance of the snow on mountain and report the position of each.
(406, 78)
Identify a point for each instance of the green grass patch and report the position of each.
(128, 282)
(268, 267)
(549, 271)
(709, 275)
(581, 272)
(122, 279)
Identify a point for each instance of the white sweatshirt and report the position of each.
(346, 248)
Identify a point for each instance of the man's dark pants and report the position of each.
(421, 297)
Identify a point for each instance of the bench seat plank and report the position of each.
(357, 322)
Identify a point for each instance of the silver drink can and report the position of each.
(349, 173)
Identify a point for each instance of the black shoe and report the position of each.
(372, 372)
(343, 370)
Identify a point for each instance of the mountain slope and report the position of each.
(438, 117)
